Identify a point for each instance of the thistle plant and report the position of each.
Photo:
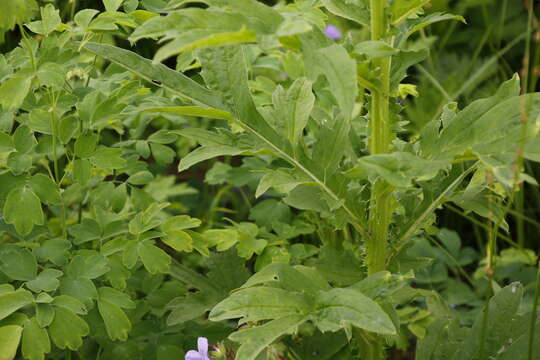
(298, 104)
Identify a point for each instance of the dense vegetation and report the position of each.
(237, 179)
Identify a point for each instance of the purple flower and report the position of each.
(332, 32)
(202, 354)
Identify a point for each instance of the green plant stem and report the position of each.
(24, 36)
(379, 143)
(527, 56)
(57, 179)
(520, 222)
(532, 328)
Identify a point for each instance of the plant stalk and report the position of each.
(532, 328)
(379, 143)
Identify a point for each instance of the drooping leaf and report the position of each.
(402, 9)
(254, 340)
(207, 152)
(375, 49)
(357, 11)
(397, 168)
(168, 78)
(339, 307)
(12, 301)
(260, 303)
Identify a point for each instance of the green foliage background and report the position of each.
(145, 205)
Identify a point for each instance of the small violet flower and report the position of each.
(202, 353)
(332, 32)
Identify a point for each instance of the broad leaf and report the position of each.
(12, 301)
(10, 336)
(68, 329)
(261, 303)
(23, 209)
(35, 341)
(169, 79)
(254, 340)
(339, 307)
(17, 263)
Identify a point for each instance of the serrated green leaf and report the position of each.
(357, 11)
(422, 22)
(398, 169)
(254, 340)
(292, 278)
(401, 62)
(292, 109)
(375, 49)
(339, 307)
(260, 303)
(400, 10)
(168, 78)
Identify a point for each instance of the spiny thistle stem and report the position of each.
(379, 143)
